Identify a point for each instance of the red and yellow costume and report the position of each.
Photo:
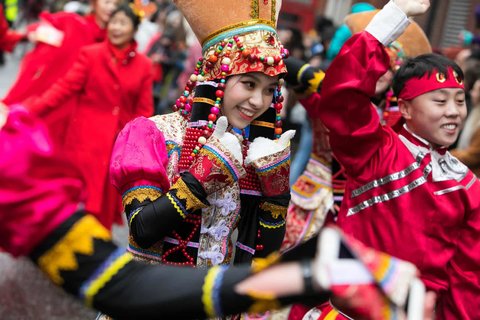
(402, 196)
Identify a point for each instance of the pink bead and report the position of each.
(188, 107)
(215, 110)
(225, 68)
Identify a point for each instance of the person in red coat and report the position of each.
(111, 84)
(59, 38)
(8, 38)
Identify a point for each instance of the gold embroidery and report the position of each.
(183, 193)
(274, 11)
(141, 194)
(204, 100)
(79, 239)
(255, 13)
(236, 26)
(275, 210)
(260, 264)
(262, 124)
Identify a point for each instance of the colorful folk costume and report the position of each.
(319, 191)
(42, 217)
(184, 192)
(403, 196)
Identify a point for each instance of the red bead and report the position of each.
(212, 117)
(219, 93)
(278, 124)
(278, 131)
(221, 86)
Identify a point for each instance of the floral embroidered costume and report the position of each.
(183, 190)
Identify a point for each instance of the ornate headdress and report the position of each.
(237, 37)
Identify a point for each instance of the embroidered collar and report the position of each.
(444, 165)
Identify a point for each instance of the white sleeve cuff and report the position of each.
(388, 24)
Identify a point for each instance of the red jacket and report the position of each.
(107, 95)
(402, 196)
(8, 38)
(45, 64)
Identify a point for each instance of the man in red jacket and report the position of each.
(405, 194)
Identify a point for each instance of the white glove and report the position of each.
(413, 7)
(262, 147)
(230, 141)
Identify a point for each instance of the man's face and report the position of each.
(436, 116)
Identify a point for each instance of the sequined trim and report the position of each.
(78, 240)
(173, 147)
(275, 210)
(392, 177)
(276, 164)
(390, 195)
(260, 264)
(115, 262)
(274, 12)
(234, 173)
(141, 193)
(184, 193)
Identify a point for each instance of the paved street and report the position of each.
(8, 72)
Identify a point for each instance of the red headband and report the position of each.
(436, 80)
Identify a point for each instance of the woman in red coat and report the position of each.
(59, 38)
(111, 84)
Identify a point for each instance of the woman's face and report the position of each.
(103, 9)
(120, 30)
(247, 96)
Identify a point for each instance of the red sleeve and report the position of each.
(145, 100)
(344, 106)
(463, 298)
(65, 87)
(8, 38)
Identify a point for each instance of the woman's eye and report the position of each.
(439, 101)
(249, 84)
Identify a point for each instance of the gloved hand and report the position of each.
(356, 276)
(271, 160)
(219, 162)
(302, 77)
(413, 7)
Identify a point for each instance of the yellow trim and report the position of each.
(300, 72)
(184, 193)
(275, 210)
(78, 240)
(274, 12)
(137, 211)
(236, 26)
(174, 203)
(262, 124)
(259, 264)
(141, 194)
(272, 227)
(332, 315)
(106, 276)
(204, 100)
(207, 291)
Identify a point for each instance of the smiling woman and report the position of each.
(187, 180)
